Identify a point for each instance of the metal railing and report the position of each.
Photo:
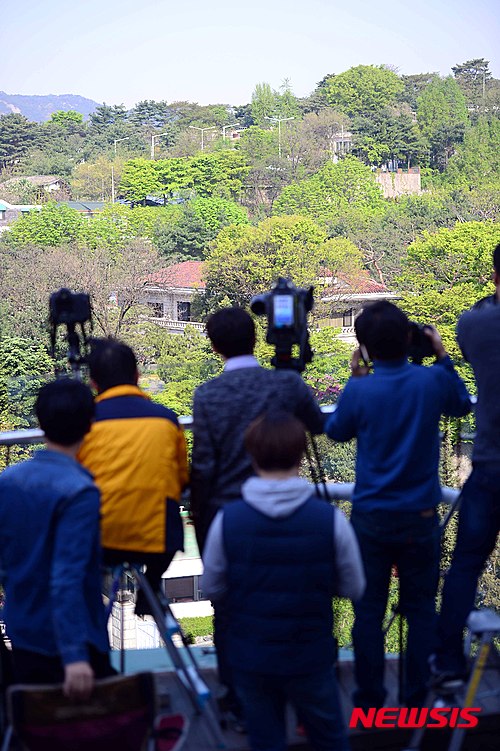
(337, 491)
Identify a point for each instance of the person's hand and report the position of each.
(358, 365)
(78, 680)
(437, 344)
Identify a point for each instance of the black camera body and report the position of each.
(420, 344)
(286, 308)
(70, 309)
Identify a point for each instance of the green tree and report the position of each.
(67, 118)
(105, 115)
(196, 224)
(476, 162)
(387, 135)
(286, 103)
(332, 191)
(263, 104)
(219, 173)
(17, 135)
(25, 367)
(473, 77)
(150, 113)
(414, 85)
(93, 181)
(174, 175)
(446, 272)
(50, 226)
(217, 213)
(442, 117)
(139, 179)
(363, 89)
(245, 259)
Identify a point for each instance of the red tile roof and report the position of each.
(186, 274)
(361, 283)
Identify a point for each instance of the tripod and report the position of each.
(398, 611)
(184, 662)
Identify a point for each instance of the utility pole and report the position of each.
(112, 184)
(117, 140)
(157, 135)
(279, 120)
(225, 127)
(194, 127)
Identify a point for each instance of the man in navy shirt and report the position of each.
(394, 414)
(478, 334)
(50, 552)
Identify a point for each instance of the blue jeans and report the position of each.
(478, 527)
(315, 698)
(410, 541)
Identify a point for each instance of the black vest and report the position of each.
(281, 580)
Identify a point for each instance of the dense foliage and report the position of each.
(278, 186)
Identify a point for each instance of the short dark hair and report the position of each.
(232, 332)
(496, 259)
(111, 363)
(65, 409)
(383, 329)
(276, 441)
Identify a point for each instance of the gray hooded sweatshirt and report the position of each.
(278, 499)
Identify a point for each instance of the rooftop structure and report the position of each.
(169, 294)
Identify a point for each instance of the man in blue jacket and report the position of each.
(50, 552)
(478, 334)
(394, 414)
(278, 556)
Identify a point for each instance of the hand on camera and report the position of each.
(436, 340)
(358, 365)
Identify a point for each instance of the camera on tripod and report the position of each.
(70, 309)
(286, 308)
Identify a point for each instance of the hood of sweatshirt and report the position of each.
(276, 498)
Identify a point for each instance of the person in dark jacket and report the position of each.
(50, 552)
(394, 414)
(478, 334)
(277, 557)
(223, 408)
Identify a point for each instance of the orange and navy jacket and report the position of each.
(136, 451)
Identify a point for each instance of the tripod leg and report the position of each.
(189, 676)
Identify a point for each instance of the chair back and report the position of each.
(119, 715)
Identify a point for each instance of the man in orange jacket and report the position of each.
(136, 451)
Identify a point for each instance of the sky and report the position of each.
(215, 51)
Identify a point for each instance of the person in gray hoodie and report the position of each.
(276, 558)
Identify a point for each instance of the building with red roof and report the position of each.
(169, 294)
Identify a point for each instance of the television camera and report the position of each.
(286, 308)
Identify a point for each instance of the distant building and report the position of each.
(41, 183)
(86, 208)
(343, 298)
(169, 293)
(400, 182)
(9, 212)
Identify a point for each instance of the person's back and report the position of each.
(278, 557)
(225, 406)
(50, 552)
(478, 334)
(136, 452)
(394, 414)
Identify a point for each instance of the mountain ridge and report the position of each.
(39, 107)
